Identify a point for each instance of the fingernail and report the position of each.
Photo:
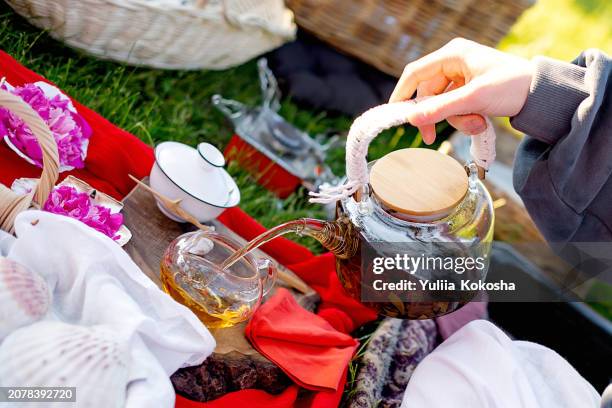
(476, 126)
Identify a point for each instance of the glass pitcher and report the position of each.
(191, 274)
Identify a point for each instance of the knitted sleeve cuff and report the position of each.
(557, 89)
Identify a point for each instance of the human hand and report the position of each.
(462, 82)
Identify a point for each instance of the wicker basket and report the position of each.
(390, 33)
(12, 203)
(215, 34)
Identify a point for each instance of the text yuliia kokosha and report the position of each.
(412, 264)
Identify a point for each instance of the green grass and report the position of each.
(158, 105)
(363, 334)
(561, 29)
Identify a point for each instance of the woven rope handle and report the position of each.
(12, 203)
(369, 125)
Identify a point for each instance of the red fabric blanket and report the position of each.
(113, 154)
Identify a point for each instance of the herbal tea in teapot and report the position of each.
(413, 205)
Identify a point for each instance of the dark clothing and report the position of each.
(315, 75)
(563, 168)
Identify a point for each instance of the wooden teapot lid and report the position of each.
(419, 183)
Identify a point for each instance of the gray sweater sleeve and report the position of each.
(563, 168)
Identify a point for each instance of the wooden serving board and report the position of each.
(235, 364)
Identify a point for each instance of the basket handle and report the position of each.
(367, 126)
(12, 203)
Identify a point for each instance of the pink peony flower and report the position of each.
(66, 200)
(70, 130)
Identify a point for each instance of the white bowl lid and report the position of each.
(199, 173)
(211, 154)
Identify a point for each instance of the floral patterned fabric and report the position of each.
(395, 349)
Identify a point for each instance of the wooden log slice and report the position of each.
(235, 364)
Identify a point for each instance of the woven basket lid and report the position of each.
(419, 183)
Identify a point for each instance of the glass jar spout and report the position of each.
(337, 237)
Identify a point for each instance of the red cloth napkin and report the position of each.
(113, 154)
(305, 346)
(340, 310)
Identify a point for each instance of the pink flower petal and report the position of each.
(69, 129)
(66, 200)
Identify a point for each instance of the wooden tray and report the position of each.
(234, 355)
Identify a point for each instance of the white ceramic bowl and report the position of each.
(196, 177)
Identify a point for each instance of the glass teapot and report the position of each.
(191, 274)
(411, 204)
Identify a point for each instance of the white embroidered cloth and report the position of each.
(96, 282)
